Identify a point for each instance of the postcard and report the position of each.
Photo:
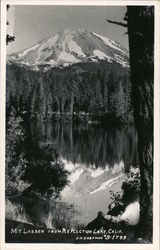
(80, 124)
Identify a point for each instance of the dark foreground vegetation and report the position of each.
(29, 169)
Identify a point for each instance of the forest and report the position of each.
(96, 91)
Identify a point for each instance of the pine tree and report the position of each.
(141, 46)
(140, 24)
(16, 162)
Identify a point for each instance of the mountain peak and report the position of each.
(72, 46)
(73, 31)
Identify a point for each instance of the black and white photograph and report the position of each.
(79, 124)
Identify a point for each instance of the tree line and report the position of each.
(70, 91)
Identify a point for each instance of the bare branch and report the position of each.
(9, 39)
(117, 23)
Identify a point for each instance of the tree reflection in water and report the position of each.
(89, 144)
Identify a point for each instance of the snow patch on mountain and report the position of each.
(109, 43)
(28, 50)
(120, 60)
(67, 57)
(101, 55)
(51, 62)
(73, 47)
(52, 40)
(66, 37)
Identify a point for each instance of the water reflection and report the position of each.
(82, 147)
(92, 145)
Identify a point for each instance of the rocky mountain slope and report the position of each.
(70, 47)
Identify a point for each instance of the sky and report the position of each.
(32, 23)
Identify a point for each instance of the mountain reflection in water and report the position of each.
(96, 157)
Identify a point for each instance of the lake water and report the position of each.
(89, 144)
(95, 156)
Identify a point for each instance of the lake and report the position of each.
(97, 158)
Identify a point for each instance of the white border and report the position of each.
(155, 245)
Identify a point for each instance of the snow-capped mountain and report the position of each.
(70, 47)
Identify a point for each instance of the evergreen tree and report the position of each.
(141, 46)
(16, 162)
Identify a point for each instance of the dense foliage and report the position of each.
(16, 162)
(91, 89)
(28, 169)
(130, 185)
